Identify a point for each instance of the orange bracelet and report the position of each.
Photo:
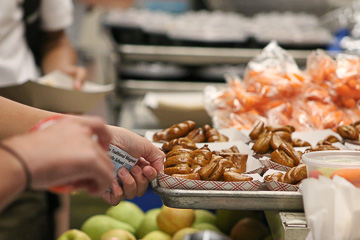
(22, 163)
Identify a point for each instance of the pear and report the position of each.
(97, 225)
(127, 212)
(74, 234)
(206, 226)
(171, 220)
(148, 224)
(179, 235)
(117, 234)
(157, 235)
(204, 216)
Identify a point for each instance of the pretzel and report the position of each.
(295, 174)
(178, 161)
(213, 135)
(278, 176)
(175, 131)
(202, 156)
(197, 135)
(212, 171)
(190, 176)
(182, 142)
(236, 177)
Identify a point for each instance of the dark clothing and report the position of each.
(33, 33)
(30, 217)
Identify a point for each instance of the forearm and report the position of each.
(17, 118)
(58, 52)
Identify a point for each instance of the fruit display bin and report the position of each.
(231, 200)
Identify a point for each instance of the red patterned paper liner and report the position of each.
(267, 163)
(280, 186)
(167, 181)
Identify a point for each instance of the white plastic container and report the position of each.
(344, 163)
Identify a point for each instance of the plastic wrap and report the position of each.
(346, 82)
(320, 66)
(323, 96)
(273, 73)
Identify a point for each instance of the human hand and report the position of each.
(78, 73)
(65, 153)
(109, 3)
(135, 183)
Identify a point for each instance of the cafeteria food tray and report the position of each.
(231, 200)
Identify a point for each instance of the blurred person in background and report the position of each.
(33, 40)
(30, 215)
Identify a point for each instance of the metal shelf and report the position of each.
(197, 55)
(140, 87)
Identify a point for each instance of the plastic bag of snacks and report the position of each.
(325, 95)
(273, 73)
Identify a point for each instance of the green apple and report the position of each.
(171, 220)
(206, 226)
(179, 235)
(74, 234)
(97, 225)
(148, 224)
(157, 235)
(127, 212)
(204, 216)
(117, 234)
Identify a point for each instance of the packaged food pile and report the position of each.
(325, 95)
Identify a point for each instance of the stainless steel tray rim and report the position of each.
(224, 193)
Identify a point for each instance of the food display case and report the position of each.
(172, 63)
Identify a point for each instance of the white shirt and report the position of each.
(16, 60)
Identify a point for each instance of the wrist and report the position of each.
(16, 165)
(15, 175)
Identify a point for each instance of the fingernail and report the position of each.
(148, 172)
(123, 172)
(136, 170)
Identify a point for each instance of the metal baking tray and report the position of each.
(231, 200)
